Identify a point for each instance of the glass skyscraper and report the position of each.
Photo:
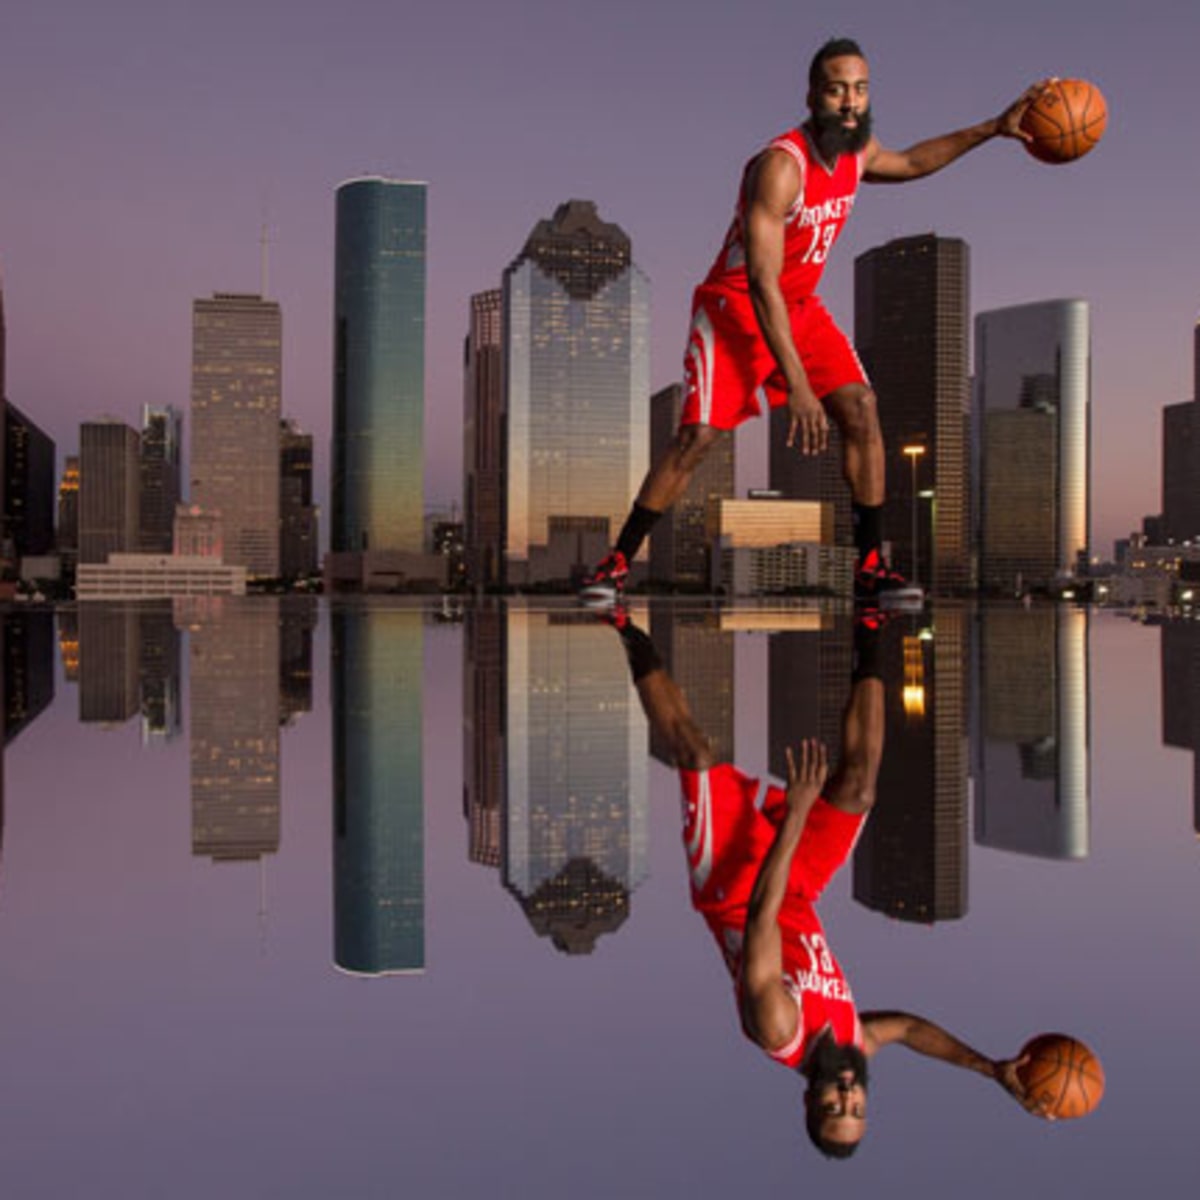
(1033, 405)
(379, 366)
(577, 389)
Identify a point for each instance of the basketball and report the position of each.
(1065, 121)
(1062, 1074)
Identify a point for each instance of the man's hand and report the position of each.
(1008, 123)
(1006, 1075)
(806, 781)
(809, 420)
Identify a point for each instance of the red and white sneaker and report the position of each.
(876, 584)
(607, 582)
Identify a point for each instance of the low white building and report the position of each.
(150, 576)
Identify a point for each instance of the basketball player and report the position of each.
(759, 861)
(759, 332)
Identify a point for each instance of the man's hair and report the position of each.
(834, 48)
(827, 1146)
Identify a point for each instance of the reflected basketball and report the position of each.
(1065, 121)
(1062, 1074)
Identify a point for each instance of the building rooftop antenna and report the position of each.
(264, 243)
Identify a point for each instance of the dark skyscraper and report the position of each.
(160, 477)
(1181, 471)
(28, 483)
(159, 673)
(108, 664)
(28, 667)
(484, 764)
(910, 327)
(377, 490)
(67, 537)
(911, 861)
(297, 514)
(1179, 652)
(679, 544)
(483, 441)
(108, 490)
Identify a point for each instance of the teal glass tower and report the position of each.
(377, 490)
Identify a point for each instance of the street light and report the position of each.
(914, 452)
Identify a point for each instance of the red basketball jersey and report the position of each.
(812, 224)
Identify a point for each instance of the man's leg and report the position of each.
(852, 787)
(854, 409)
(666, 481)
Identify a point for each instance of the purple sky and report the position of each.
(143, 142)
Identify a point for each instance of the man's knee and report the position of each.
(693, 442)
(856, 411)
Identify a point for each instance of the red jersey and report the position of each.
(812, 224)
(727, 834)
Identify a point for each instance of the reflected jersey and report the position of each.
(727, 833)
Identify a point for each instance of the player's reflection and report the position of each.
(759, 860)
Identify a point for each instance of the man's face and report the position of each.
(836, 1097)
(841, 105)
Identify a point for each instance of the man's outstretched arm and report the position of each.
(768, 1011)
(883, 1028)
(899, 166)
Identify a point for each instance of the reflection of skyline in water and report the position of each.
(1032, 738)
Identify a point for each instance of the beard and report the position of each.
(833, 138)
(829, 1059)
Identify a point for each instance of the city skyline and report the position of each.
(279, 146)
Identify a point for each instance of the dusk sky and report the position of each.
(142, 145)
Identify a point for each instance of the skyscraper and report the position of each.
(67, 538)
(236, 382)
(1181, 471)
(297, 514)
(379, 367)
(577, 382)
(160, 476)
(1033, 409)
(483, 441)
(679, 545)
(910, 327)
(28, 484)
(108, 490)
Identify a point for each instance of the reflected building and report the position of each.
(159, 673)
(237, 346)
(808, 684)
(1032, 771)
(679, 545)
(577, 382)
(28, 664)
(233, 666)
(377, 486)
(376, 667)
(108, 663)
(1033, 408)
(1179, 651)
(911, 861)
(576, 820)
(484, 760)
(699, 655)
(297, 621)
(911, 315)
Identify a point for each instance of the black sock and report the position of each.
(868, 528)
(868, 652)
(633, 533)
(639, 649)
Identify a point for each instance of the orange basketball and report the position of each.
(1062, 1074)
(1065, 121)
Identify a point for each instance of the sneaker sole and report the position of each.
(598, 596)
(910, 599)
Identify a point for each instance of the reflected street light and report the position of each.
(914, 452)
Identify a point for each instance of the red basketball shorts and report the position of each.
(727, 833)
(729, 373)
